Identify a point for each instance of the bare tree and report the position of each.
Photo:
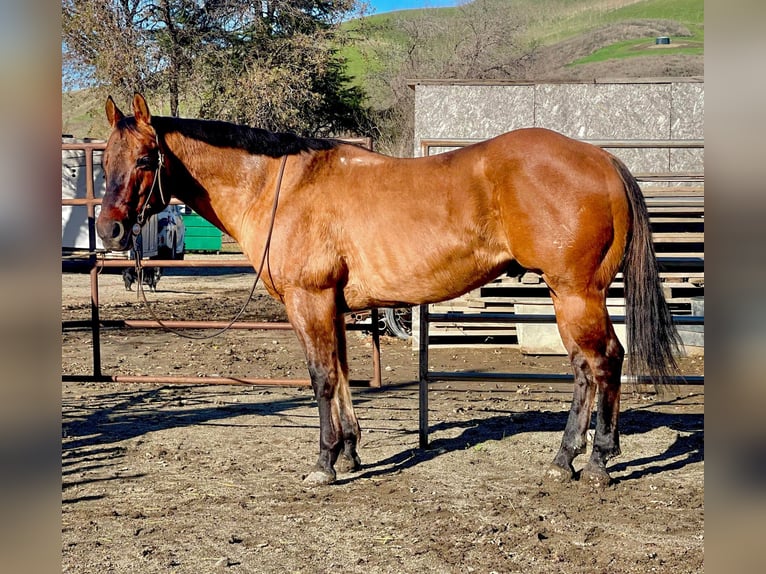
(269, 62)
(103, 43)
(484, 40)
(487, 42)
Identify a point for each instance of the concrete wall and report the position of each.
(636, 110)
(671, 109)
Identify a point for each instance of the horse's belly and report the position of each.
(421, 278)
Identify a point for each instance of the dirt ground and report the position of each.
(194, 479)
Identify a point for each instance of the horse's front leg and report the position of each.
(313, 316)
(349, 460)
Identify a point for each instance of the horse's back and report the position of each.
(427, 229)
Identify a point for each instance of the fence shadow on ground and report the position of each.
(92, 434)
(687, 449)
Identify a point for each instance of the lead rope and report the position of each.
(158, 182)
(140, 269)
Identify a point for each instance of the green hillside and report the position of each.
(687, 12)
(548, 22)
(82, 115)
(562, 19)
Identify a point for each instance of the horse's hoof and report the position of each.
(558, 474)
(318, 478)
(595, 476)
(347, 464)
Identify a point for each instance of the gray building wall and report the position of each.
(636, 110)
(665, 109)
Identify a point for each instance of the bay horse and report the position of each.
(354, 229)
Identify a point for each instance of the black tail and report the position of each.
(652, 337)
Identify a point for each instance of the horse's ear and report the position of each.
(141, 110)
(113, 113)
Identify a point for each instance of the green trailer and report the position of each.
(201, 235)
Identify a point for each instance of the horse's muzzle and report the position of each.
(113, 234)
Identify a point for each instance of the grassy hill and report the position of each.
(688, 13)
(563, 19)
(82, 115)
(605, 29)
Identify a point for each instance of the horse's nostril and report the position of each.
(117, 230)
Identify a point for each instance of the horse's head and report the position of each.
(132, 164)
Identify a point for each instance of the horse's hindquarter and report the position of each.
(563, 205)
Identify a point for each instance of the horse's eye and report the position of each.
(145, 162)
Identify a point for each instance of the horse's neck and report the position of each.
(193, 181)
(205, 180)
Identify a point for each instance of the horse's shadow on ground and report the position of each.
(688, 448)
(177, 292)
(92, 439)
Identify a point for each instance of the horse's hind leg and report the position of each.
(596, 356)
(314, 318)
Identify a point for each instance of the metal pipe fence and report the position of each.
(686, 196)
(93, 262)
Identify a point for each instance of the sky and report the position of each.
(381, 6)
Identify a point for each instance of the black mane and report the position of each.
(253, 140)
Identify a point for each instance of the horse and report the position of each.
(339, 228)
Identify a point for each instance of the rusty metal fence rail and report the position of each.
(424, 317)
(93, 263)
